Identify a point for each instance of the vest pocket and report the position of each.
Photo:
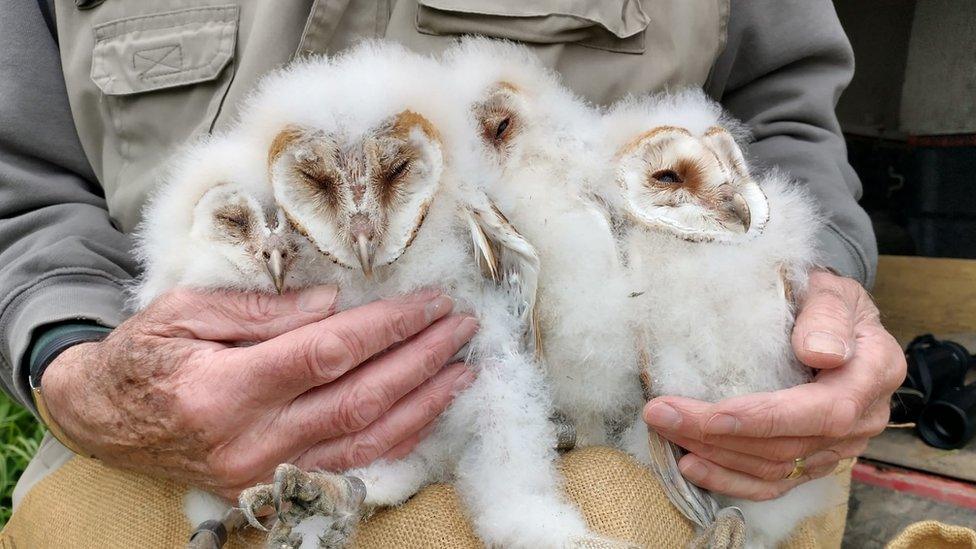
(163, 78)
(613, 25)
(165, 50)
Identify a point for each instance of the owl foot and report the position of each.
(296, 495)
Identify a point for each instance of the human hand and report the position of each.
(169, 393)
(745, 446)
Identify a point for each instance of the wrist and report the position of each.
(54, 396)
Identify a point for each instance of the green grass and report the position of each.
(20, 435)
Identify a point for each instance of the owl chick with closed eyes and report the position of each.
(213, 224)
(366, 158)
(543, 140)
(715, 258)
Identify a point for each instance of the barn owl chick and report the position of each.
(213, 224)
(367, 158)
(543, 139)
(714, 257)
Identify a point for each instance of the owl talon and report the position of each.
(296, 495)
(252, 499)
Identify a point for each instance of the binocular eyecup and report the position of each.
(949, 422)
(934, 395)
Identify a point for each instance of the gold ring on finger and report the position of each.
(799, 467)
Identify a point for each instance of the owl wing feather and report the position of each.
(508, 259)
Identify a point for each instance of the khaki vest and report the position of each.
(143, 77)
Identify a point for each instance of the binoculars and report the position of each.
(935, 396)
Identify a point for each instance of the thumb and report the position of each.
(235, 316)
(823, 335)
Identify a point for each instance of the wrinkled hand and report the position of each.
(744, 447)
(173, 392)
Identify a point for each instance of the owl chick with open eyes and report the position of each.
(543, 140)
(714, 258)
(214, 225)
(368, 160)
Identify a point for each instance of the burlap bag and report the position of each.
(87, 505)
(930, 534)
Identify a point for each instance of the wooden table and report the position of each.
(919, 295)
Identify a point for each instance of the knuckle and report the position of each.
(432, 406)
(362, 450)
(328, 353)
(787, 450)
(773, 470)
(398, 324)
(255, 306)
(767, 492)
(232, 468)
(355, 411)
(431, 360)
(842, 419)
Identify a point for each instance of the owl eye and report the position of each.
(669, 177)
(235, 222)
(398, 170)
(502, 127)
(317, 178)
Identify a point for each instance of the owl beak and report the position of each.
(276, 268)
(365, 254)
(740, 209)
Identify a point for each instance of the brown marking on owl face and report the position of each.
(285, 137)
(406, 121)
(498, 116)
(392, 171)
(321, 180)
(637, 141)
(235, 221)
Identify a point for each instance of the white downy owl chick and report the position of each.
(364, 160)
(213, 224)
(715, 257)
(544, 139)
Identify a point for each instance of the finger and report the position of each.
(830, 407)
(407, 445)
(229, 316)
(823, 335)
(716, 478)
(409, 415)
(770, 467)
(775, 449)
(313, 355)
(360, 397)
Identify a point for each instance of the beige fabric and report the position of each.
(930, 534)
(143, 78)
(88, 505)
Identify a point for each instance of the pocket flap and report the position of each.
(609, 24)
(164, 50)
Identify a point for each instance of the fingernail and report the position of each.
(464, 331)
(318, 299)
(663, 416)
(693, 469)
(462, 381)
(721, 424)
(438, 307)
(825, 343)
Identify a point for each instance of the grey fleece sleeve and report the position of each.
(784, 67)
(61, 257)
